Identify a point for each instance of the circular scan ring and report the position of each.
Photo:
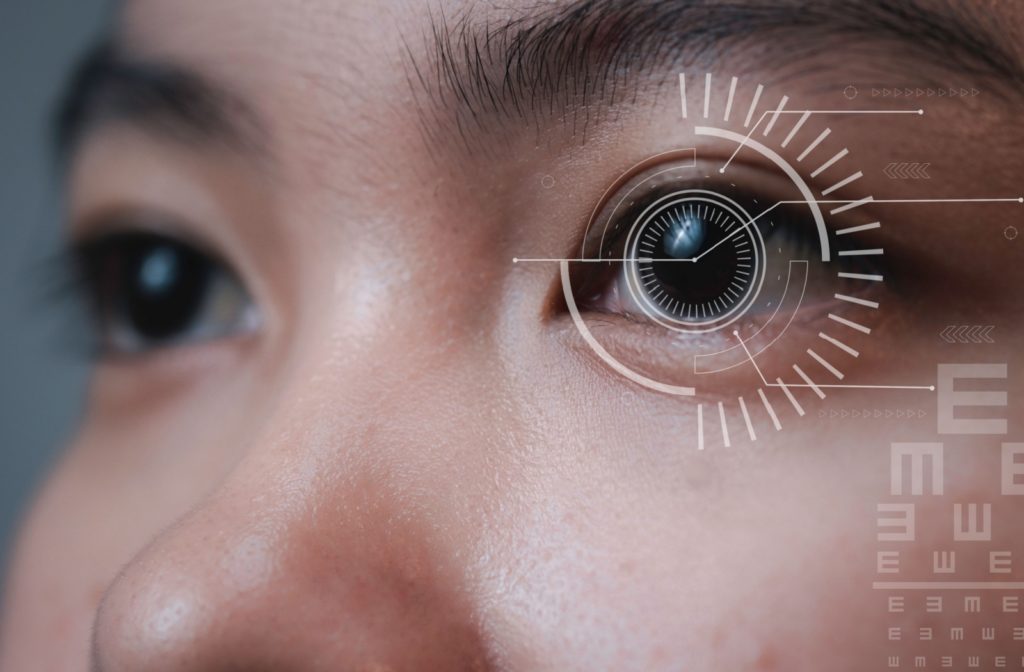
(687, 233)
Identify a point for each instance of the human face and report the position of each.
(365, 439)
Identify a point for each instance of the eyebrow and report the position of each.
(557, 60)
(552, 61)
(110, 86)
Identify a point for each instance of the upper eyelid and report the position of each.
(833, 224)
(111, 85)
(485, 69)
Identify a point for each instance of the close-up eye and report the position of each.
(150, 290)
(513, 336)
(695, 265)
(699, 259)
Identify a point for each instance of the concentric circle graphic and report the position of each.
(750, 257)
(697, 262)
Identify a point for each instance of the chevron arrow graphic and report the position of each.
(968, 333)
(907, 171)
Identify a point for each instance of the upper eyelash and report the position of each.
(801, 235)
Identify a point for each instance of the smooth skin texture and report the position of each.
(414, 463)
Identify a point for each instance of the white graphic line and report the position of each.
(682, 92)
(948, 585)
(810, 383)
(775, 116)
(796, 128)
(707, 95)
(725, 427)
(771, 411)
(746, 419)
(750, 356)
(732, 94)
(814, 386)
(780, 111)
(700, 426)
(789, 395)
(1019, 199)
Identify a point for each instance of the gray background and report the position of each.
(42, 372)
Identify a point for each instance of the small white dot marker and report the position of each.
(1021, 199)
(515, 260)
(932, 388)
(721, 170)
(920, 111)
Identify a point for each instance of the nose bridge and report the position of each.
(328, 546)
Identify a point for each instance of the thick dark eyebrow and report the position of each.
(558, 59)
(166, 99)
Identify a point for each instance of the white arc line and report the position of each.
(596, 346)
(779, 111)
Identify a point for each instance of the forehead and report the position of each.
(366, 46)
(341, 31)
(346, 71)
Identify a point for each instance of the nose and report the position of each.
(226, 589)
(319, 552)
(263, 582)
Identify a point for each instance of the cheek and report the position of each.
(763, 557)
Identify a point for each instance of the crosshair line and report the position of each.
(1018, 199)
(602, 260)
(776, 113)
(783, 386)
(743, 344)
(948, 585)
(929, 388)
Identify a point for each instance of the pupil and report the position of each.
(166, 289)
(704, 288)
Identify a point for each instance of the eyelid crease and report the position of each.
(574, 61)
(111, 85)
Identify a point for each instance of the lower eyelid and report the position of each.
(668, 356)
